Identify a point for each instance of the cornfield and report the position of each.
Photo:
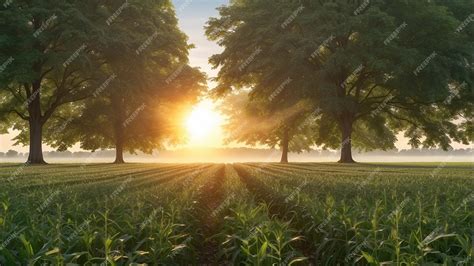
(247, 214)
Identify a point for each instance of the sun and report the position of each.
(203, 123)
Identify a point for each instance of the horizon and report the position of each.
(252, 154)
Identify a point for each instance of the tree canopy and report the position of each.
(83, 71)
(50, 61)
(150, 80)
(379, 67)
(253, 122)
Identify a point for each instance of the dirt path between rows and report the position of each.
(277, 205)
(211, 197)
(263, 194)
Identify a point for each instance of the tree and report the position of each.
(379, 67)
(11, 153)
(47, 50)
(149, 79)
(252, 121)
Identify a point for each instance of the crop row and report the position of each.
(376, 216)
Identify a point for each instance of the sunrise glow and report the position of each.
(204, 124)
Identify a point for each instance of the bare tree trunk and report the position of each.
(119, 152)
(346, 145)
(35, 155)
(284, 146)
(118, 128)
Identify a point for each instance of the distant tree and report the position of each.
(374, 68)
(47, 62)
(252, 121)
(149, 79)
(2, 154)
(11, 153)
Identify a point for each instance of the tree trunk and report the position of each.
(35, 155)
(346, 145)
(284, 147)
(119, 152)
(119, 115)
(35, 122)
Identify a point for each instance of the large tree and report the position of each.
(380, 67)
(149, 80)
(256, 121)
(48, 62)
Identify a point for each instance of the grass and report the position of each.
(247, 214)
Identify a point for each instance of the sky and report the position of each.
(193, 15)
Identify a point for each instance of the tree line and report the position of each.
(106, 74)
(337, 74)
(346, 74)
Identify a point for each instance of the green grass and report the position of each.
(248, 214)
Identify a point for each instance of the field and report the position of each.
(252, 214)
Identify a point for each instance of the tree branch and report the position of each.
(403, 119)
(18, 96)
(370, 91)
(22, 116)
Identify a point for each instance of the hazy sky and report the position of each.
(193, 15)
